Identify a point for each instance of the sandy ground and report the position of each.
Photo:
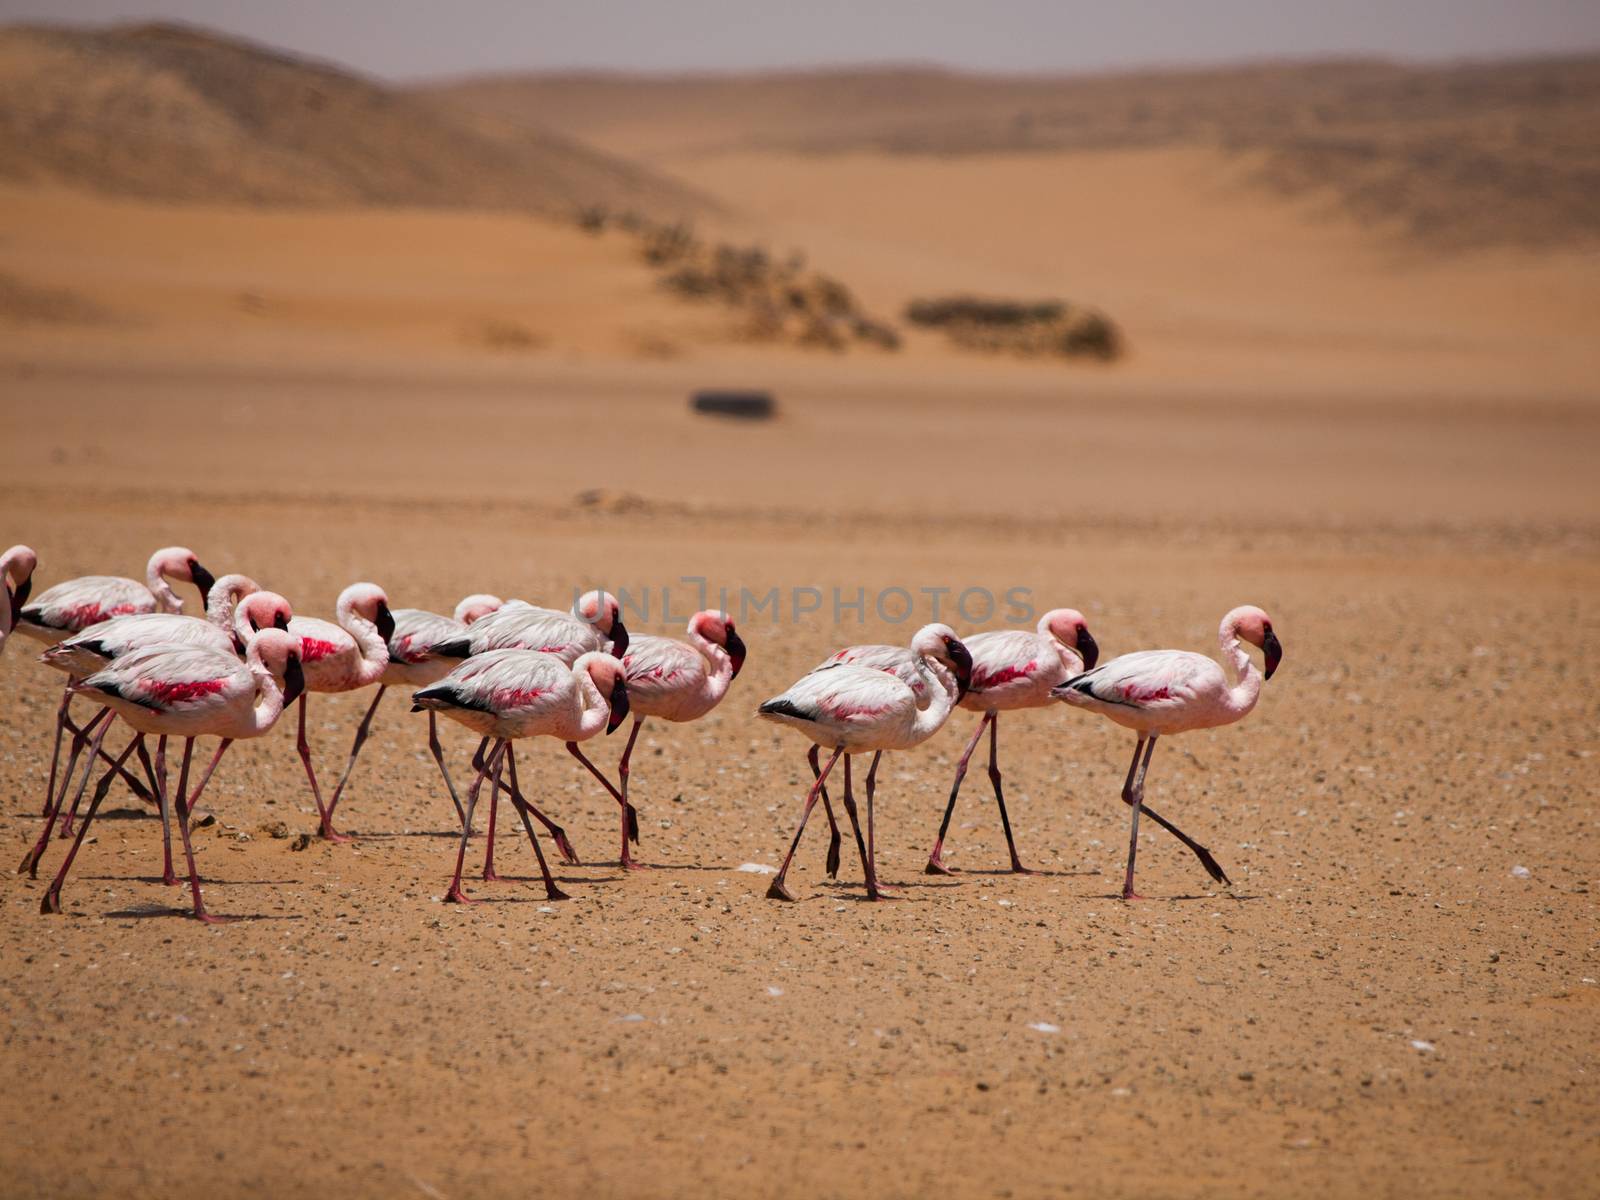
(1379, 1006)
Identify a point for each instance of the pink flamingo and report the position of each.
(236, 608)
(510, 694)
(1156, 692)
(187, 692)
(593, 625)
(16, 580)
(856, 709)
(678, 681)
(341, 657)
(414, 661)
(75, 604)
(1012, 669)
(926, 666)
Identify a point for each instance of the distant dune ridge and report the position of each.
(1472, 154)
(173, 113)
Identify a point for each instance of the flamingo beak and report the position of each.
(619, 704)
(19, 598)
(619, 637)
(294, 680)
(281, 621)
(385, 622)
(202, 579)
(735, 648)
(961, 657)
(1088, 648)
(1273, 651)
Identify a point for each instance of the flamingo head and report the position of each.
(279, 652)
(1068, 627)
(17, 578)
(607, 673)
(179, 563)
(481, 604)
(939, 641)
(265, 610)
(602, 610)
(369, 602)
(717, 628)
(1251, 624)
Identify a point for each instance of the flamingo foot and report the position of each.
(1018, 869)
(633, 864)
(779, 890)
(551, 892)
(456, 896)
(1129, 894)
(209, 918)
(936, 866)
(170, 878)
(65, 830)
(568, 854)
(633, 825)
(51, 901)
(833, 857)
(329, 834)
(490, 875)
(29, 865)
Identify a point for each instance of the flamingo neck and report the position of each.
(596, 708)
(222, 607)
(932, 716)
(269, 692)
(166, 599)
(720, 675)
(1246, 689)
(374, 650)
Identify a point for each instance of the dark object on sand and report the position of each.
(751, 406)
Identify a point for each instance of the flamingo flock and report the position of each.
(509, 670)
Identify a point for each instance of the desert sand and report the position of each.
(1389, 449)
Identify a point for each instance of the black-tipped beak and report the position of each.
(385, 622)
(1088, 648)
(294, 680)
(619, 637)
(279, 622)
(962, 658)
(736, 651)
(1273, 651)
(619, 705)
(19, 598)
(202, 580)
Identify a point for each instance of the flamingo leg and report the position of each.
(861, 846)
(627, 753)
(30, 860)
(455, 895)
(188, 847)
(438, 756)
(999, 796)
(168, 875)
(50, 902)
(568, 854)
(355, 748)
(778, 890)
(325, 818)
(222, 748)
(1136, 800)
(63, 717)
(80, 739)
(630, 817)
(936, 858)
(490, 875)
(872, 849)
(525, 810)
(827, 807)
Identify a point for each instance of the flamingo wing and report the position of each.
(417, 632)
(657, 667)
(1151, 680)
(502, 682)
(1008, 656)
(843, 694)
(76, 604)
(167, 677)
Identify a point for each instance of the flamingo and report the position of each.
(1012, 669)
(926, 666)
(510, 694)
(1156, 692)
(414, 661)
(188, 692)
(75, 604)
(855, 709)
(16, 581)
(593, 625)
(236, 608)
(341, 657)
(678, 681)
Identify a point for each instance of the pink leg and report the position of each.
(80, 740)
(568, 854)
(525, 810)
(872, 849)
(63, 718)
(355, 748)
(184, 807)
(855, 824)
(222, 748)
(630, 818)
(827, 807)
(779, 890)
(455, 895)
(438, 756)
(30, 860)
(51, 900)
(326, 828)
(1136, 798)
(490, 875)
(935, 859)
(157, 785)
(999, 796)
(627, 753)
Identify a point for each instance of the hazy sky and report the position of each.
(411, 38)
